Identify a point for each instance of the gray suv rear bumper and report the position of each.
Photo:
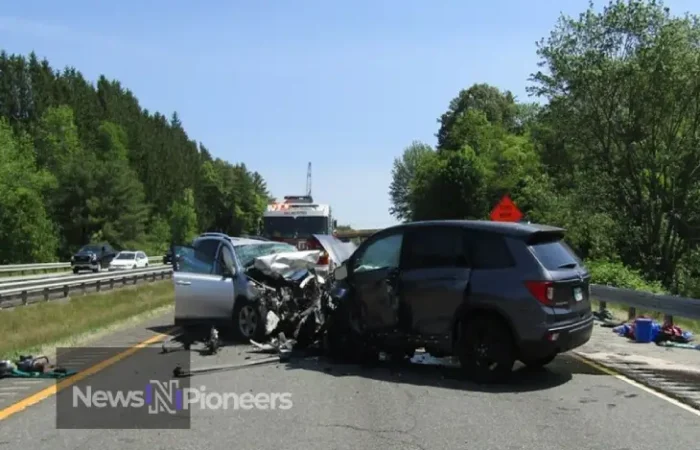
(568, 338)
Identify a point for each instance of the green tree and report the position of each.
(624, 85)
(403, 172)
(27, 234)
(449, 185)
(117, 167)
(496, 106)
(183, 219)
(117, 207)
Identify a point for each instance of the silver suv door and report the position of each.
(202, 293)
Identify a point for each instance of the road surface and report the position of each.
(570, 405)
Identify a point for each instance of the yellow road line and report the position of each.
(69, 381)
(638, 385)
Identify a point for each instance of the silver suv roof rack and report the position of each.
(211, 233)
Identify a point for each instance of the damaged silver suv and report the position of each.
(249, 286)
(489, 293)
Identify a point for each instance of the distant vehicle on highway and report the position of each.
(129, 260)
(488, 292)
(94, 257)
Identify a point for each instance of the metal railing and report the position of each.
(24, 268)
(23, 293)
(669, 305)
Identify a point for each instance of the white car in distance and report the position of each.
(129, 260)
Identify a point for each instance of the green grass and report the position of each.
(29, 328)
(620, 312)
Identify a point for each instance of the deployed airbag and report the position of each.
(283, 263)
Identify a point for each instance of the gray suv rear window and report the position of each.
(555, 255)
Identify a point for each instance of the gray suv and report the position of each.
(490, 293)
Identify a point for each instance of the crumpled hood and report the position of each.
(337, 250)
(283, 263)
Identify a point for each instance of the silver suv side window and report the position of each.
(225, 258)
(199, 258)
(381, 254)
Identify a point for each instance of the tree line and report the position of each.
(83, 162)
(611, 153)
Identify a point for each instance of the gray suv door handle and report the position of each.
(183, 283)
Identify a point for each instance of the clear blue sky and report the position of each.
(276, 84)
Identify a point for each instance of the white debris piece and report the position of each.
(271, 322)
(282, 263)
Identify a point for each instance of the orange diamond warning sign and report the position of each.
(506, 211)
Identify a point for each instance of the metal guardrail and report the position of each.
(17, 283)
(22, 268)
(669, 305)
(46, 290)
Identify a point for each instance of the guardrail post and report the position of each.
(668, 319)
(46, 294)
(602, 306)
(631, 313)
(83, 288)
(123, 281)
(66, 290)
(153, 276)
(111, 283)
(136, 278)
(24, 297)
(97, 286)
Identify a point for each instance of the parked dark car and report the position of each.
(93, 257)
(489, 293)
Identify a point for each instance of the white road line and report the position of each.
(14, 388)
(619, 376)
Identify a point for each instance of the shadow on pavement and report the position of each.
(524, 379)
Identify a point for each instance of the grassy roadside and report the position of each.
(26, 329)
(620, 312)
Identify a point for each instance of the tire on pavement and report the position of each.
(248, 322)
(486, 350)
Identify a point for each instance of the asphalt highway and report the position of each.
(569, 405)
